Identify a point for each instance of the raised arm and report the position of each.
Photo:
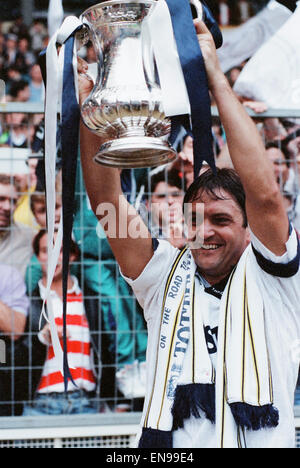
(131, 242)
(264, 203)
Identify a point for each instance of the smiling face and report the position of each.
(8, 201)
(222, 235)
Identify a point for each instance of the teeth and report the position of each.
(210, 247)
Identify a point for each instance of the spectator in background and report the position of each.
(16, 131)
(36, 85)
(83, 344)
(244, 10)
(224, 13)
(273, 129)
(19, 91)
(13, 76)
(280, 163)
(15, 238)
(233, 74)
(285, 177)
(19, 28)
(39, 211)
(164, 204)
(185, 162)
(2, 57)
(38, 34)
(10, 50)
(25, 59)
(292, 145)
(38, 208)
(26, 187)
(32, 163)
(14, 306)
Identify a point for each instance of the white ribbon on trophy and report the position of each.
(54, 65)
(158, 30)
(244, 41)
(55, 16)
(273, 74)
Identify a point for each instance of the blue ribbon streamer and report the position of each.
(194, 72)
(69, 146)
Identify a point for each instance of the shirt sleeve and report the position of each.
(149, 285)
(285, 266)
(13, 290)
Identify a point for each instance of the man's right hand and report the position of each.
(85, 83)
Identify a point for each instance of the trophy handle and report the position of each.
(199, 8)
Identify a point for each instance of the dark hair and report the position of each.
(18, 86)
(281, 147)
(37, 197)
(225, 179)
(292, 136)
(171, 177)
(74, 249)
(6, 179)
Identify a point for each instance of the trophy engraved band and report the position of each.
(125, 106)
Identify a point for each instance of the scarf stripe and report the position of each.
(244, 338)
(193, 333)
(169, 358)
(173, 269)
(270, 380)
(241, 441)
(270, 372)
(238, 437)
(244, 437)
(253, 353)
(224, 398)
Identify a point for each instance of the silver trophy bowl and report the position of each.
(125, 105)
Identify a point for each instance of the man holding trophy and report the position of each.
(223, 314)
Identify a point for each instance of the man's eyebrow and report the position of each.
(222, 215)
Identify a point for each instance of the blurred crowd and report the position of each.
(19, 49)
(106, 332)
(232, 12)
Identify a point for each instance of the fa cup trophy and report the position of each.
(125, 106)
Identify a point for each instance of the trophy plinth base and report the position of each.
(135, 152)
